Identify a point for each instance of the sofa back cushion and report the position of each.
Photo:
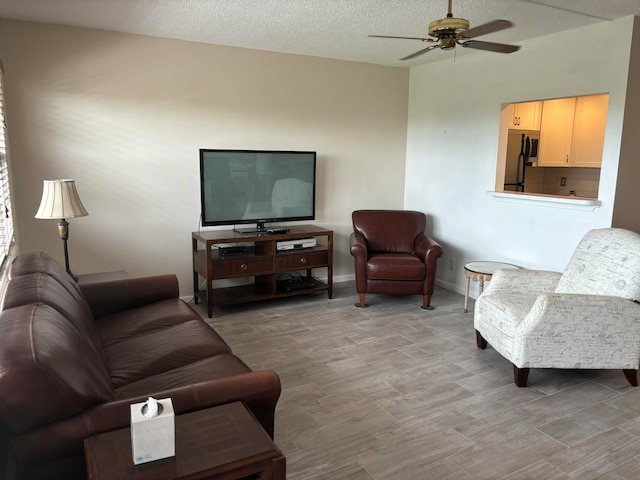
(43, 288)
(40, 262)
(392, 231)
(48, 368)
(605, 262)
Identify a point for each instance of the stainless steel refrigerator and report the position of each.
(522, 151)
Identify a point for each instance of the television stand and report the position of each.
(263, 261)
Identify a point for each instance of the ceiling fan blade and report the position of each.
(419, 52)
(491, 46)
(403, 38)
(486, 28)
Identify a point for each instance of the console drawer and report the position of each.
(301, 260)
(242, 267)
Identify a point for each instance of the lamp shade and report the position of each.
(60, 200)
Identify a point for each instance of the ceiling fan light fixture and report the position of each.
(447, 43)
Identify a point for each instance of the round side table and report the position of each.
(482, 272)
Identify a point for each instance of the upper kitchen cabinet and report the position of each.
(572, 131)
(525, 116)
(589, 124)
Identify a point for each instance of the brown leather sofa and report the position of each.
(393, 255)
(74, 357)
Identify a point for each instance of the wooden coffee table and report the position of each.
(221, 443)
(482, 272)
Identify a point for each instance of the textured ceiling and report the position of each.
(325, 28)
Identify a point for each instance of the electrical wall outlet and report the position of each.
(563, 181)
(452, 264)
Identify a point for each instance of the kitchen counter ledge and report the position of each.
(544, 200)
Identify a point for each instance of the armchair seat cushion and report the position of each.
(396, 266)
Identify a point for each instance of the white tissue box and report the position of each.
(153, 438)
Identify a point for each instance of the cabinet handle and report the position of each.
(244, 266)
(567, 158)
(303, 260)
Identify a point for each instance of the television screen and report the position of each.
(256, 186)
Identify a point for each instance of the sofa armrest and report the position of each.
(105, 298)
(258, 390)
(514, 281)
(563, 330)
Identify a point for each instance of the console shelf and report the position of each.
(263, 262)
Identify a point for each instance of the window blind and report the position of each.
(6, 216)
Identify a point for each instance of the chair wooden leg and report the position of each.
(631, 376)
(520, 376)
(426, 301)
(480, 341)
(362, 304)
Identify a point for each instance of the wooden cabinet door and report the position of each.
(589, 127)
(526, 116)
(556, 132)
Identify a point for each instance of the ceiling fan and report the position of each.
(450, 31)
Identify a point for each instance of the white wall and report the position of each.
(125, 115)
(452, 145)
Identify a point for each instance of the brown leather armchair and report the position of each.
(393, 255)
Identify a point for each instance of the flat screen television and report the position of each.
(240, 187)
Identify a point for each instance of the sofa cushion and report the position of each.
(48, 369)
(120, 326)
(605, 262)
(40, 262)
(208, 369)
(42, 288)
(395, 267)
(162, 350)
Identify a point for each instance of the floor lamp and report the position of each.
(60, 200)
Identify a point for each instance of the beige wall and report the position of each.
(125, 115)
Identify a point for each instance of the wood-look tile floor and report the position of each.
(396, 392)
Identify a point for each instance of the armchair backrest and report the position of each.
(389, 230)
(605, 262)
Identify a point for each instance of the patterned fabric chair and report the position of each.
(586, 317)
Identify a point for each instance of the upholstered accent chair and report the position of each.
(586, 317)
(393, 255)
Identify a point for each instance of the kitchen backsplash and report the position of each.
(584, 181)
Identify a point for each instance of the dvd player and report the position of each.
(296, 244)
